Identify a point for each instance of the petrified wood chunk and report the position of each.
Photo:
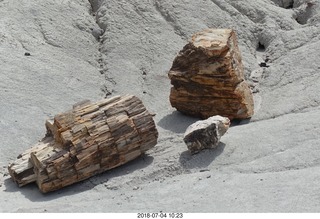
(206, 133)
(208, 79)
(90, 139)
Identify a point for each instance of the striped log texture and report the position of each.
(85, 141)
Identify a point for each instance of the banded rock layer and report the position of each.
(208, 79)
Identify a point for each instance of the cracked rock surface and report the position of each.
(205, 134)
(208, 79)
(58, 52)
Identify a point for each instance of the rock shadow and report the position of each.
(202, 159)
(237, 122)
(32, 192)
(176, 122)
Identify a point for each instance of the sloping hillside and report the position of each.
(93, 49)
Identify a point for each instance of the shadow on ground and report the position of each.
(236, 122)
(32, 192)
(201, 160)
(176, 122)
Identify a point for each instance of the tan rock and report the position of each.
(90, 139)
(208, 79)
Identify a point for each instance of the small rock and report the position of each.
(27, 54)
(267, 59)
(208, 176)
(97, 32)
(206, 133)
(263, 64)
(204, 170)
(136, 188)
(111, 187)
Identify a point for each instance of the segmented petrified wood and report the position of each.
(208, 79)
(90, 139)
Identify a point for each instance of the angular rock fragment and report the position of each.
(208, 79)
(90, 139)
(206, 133)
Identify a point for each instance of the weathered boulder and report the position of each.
(208, 79)
(206, 133)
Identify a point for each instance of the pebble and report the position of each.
(136, 188)
(97, 32)
(204, 170)
(111, 187)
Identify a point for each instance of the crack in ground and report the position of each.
(167, 17)
(95, 5)
(45, 35)
(279, 170)
(230, 12)
(300, 110)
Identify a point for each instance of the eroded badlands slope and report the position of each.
(269, 164)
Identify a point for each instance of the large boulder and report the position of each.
(208, 79)
(206, 133)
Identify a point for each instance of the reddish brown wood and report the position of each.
(207, 77)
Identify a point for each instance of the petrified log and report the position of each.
(205, 134)
(90, 139)
(208, 79)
